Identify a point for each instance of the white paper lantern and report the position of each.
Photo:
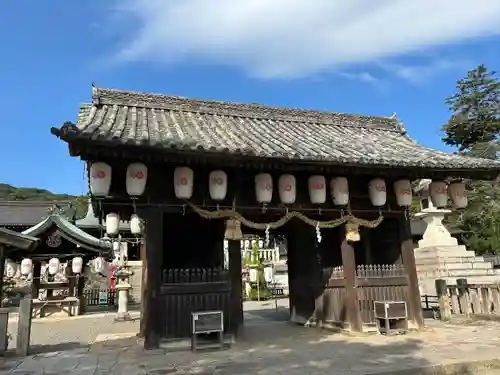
(100, 179)
(402, 189)
(183, 182)
(135, 224)
(317, 189)
(54, 266)
(458, 194)
(137, 176)
(287, 188)
(10, 268)
(99, 265)
(438, 191)
(77, 265)
(339, 189)
(264, 187)
(112, 223)
(26, 266)
(217, 185)
(378, 192)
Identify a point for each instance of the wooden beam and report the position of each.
(407, 252)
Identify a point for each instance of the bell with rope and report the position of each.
(233, 230)
(352, 232)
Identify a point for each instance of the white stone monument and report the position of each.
(439, 256)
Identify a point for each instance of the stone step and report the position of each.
(443, 253)
(434, 259)
(457, 272)
(455, 266)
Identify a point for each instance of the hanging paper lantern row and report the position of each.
(137, 174)
(100, 179)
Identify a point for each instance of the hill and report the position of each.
(12, 193)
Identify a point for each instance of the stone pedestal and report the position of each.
(123, 287)
(439, 256)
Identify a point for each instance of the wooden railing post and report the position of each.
(444, 301)
(463, 296)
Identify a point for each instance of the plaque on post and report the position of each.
(207, 322)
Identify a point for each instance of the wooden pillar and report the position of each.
(234, 250)
(142, 256)
(152, 308)
(71, 279)
(35, 281)
(351, 303)
(80, 285)
(2, 271)
(408, 255)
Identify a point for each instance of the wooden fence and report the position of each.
(184, 291)
(480, 301)
(100, 298)
(374, 283)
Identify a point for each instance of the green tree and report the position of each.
(476, 112)
(474, 128)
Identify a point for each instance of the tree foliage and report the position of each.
(476, 111)
(474, 128)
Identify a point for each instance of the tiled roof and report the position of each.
(10, 238)
(28, 213)
(168, 122)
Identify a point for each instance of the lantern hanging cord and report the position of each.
(230, 214)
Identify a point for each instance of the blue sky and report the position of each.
(390, 56)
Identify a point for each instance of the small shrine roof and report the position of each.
(90, 221)
(69, 231)
(29, 213)
(181, 124)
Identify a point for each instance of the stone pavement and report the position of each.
(268, 346)
(273, 348)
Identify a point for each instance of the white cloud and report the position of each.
(283, 38)
(420, 74)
